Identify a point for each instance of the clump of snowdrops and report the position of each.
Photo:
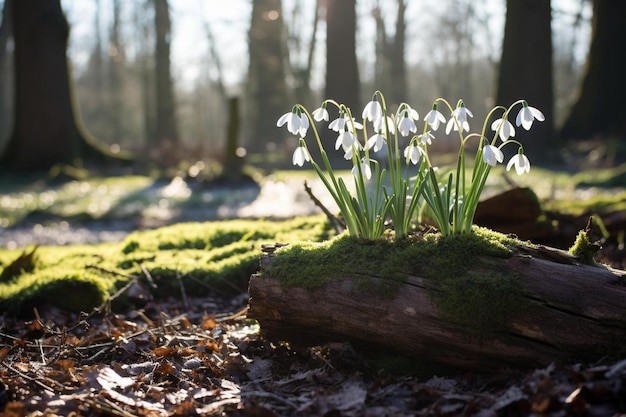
(414, 183)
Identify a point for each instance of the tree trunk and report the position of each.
(45, 131)
(600, 106)
(571, 312)
(6, 74)
(166, 127)
(267, 87)
(526, 71)
(342, 71)
(399, 86)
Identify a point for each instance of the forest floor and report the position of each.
(203, 356)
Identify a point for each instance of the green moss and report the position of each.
(205, 257)
(583, 249)
(457, 269)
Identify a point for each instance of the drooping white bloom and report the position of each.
(492, 155)
(372, 111)
(521, 162)
(366, 170)
(320, 114)
(376, 142)
(304, 125)
(347, 139)
(406, 125)
(504, 128)
(294, 122)
(413, 152)
(379, 125)
(526, 116)
(338, 124)
(300, 155)
(459, 118)
(461, 113)
(353, 122)
(426, 138)
(434, 118)
(413, 114)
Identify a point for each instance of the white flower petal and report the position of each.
(537, 114)
(283, 119)
(320, 114)
(492, 155)
(372, 111)
(300, 155)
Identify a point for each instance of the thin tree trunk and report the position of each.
(267, 87)
(342, 73)
(526, 71)
(166, 127)
(399, 86)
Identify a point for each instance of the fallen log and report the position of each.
(474, 302)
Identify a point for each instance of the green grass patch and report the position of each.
(206, 257)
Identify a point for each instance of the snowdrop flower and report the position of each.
(504, 128)
(320, 114)
(338, 124)
(406, 124)
(413, 152)
(434, 117)
(372, 111)
(366, 170)
(521, 162)
(294, 122)
(492, 155)
(300, 155)
(526, 116)
(459, 115)
(426, 138)
(347, 139)
(379, 124)
(351, 123)
(376, 142)
(350, 151)
(304, 125)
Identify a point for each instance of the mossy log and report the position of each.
(564, 311)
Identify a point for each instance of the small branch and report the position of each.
(338, 225)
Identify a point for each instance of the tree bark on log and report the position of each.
(574, 312)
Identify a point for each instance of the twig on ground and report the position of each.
(338, 225)
(183, 293)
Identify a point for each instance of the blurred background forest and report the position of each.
(162, 78)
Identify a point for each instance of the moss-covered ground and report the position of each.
(199, 257)
(457, 268)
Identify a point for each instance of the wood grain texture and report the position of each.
(572, 312)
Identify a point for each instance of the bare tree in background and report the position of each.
(390, 68)
(600, 107)
(526, 71)
(45, 129)
(267, 87)
(117, 62)
(302, 67)
(6, 73)
(399, 86)
(342, 73)
(101, 85)
(166, 126)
